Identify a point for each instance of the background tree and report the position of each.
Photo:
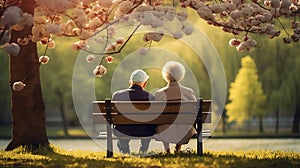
(246, 95)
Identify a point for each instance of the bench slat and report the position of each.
(151, 112)
(144, 118)
(145, 106)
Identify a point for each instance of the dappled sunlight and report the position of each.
(56, 157)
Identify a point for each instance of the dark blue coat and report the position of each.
(134, 93)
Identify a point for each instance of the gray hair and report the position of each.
(173, 71)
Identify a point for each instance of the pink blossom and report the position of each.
(111, 47)
(294, 24)
(242, 47)
(99, 71)
(25, 21)
(18, 86)
(11, 16)
(234, 42)
(155, 36)
(275, 3)
(177, 34)
(51, 44)
(143, 50)
(13, 49)
(187, 30)
(285, 4)
(53, 28)
(182, 16)
(44, 59)
(90, 58)
(206, 13)
(111, 31)
(80, 45)
(293, 8)
(218, 8)
(236, 14)
(120, 40)
(125, 6)
(287, 40)
(230, 6)
(109, 59)
(105, 3)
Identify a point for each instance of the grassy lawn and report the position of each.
(57, 157)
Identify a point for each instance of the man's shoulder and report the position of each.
(120, 93)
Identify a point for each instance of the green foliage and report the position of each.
(4, 89)
(246, 94)
(56, 157)
(56, 78)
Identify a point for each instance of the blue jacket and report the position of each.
(134, 93)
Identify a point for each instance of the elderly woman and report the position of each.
(173, 72)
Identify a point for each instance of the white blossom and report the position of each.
(177, 34)
(206, 13)
(143, 50)
(13, 49)
(187, 30)
(11, 16)
(234, 42)
(44, 59)
(182, 16)
(275, 3)
(236, 14)
(18, 86)
(99, 71)
(80, 45)
(53, 28)
(155, 36)
(90, 58)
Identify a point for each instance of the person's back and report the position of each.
(135, 92)
(173, 72)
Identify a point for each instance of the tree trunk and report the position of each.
(27, 106)
(261, 124)
(62, 111)
(224, 117)
(296, 121)
(277, 121)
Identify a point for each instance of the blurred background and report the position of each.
(277, 65)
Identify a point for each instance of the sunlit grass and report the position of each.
(71, 132)
(56, 157)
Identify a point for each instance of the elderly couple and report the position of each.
(173, 72)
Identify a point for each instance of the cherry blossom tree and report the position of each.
(25, 23)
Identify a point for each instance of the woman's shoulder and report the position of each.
(186, 88)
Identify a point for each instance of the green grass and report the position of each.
(57, 157)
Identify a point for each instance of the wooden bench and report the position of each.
(152, 112)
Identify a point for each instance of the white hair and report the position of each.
(173, 71)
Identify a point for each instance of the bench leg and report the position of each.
(199, 144)
(199, 129)
(109, 145)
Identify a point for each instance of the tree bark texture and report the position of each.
(27, 106)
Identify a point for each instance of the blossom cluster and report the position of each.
(159, 16)
(13, 18)
(241, 17)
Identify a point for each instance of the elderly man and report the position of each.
(138, 81)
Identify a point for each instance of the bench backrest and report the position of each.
(151, 112)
